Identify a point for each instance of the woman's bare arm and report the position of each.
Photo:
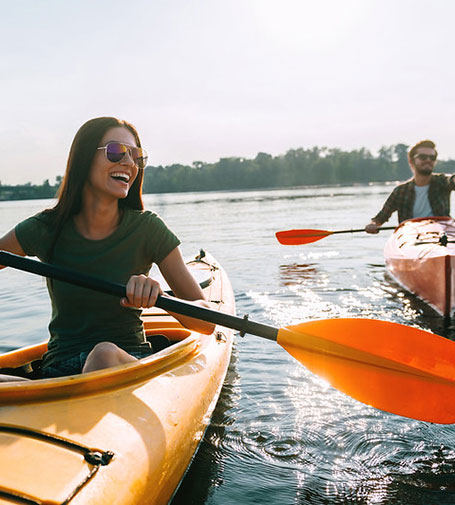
(10, 243)
(184, 286)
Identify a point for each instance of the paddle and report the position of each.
(299, 237)
(390, 366)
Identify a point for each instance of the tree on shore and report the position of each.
(297, 167)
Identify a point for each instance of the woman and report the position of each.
(98, 226)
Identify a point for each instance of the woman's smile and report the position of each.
(121, 176)
(113, 178)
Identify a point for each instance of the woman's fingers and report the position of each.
(141, 291)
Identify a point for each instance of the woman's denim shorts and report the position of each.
(74, 365)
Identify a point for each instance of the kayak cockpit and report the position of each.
(177, 354)
(27, 362)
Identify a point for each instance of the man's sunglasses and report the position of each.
(424, 157)
(115, 152)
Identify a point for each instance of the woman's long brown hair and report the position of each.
(80, 159)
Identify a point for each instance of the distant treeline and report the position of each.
(298, 167)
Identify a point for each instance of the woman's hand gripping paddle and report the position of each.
(395, 368)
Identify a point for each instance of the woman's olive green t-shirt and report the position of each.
(81, 317)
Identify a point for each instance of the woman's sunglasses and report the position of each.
(115, 152)
(424, 157)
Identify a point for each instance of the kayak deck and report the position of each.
(120, 435)
(420, 256)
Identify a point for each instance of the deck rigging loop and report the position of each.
(94, 457)
(220, 337)
(200, 259)
(436, 238)
(102, 458)
(57, 440)
(443, 239)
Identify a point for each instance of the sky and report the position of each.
(208, 79)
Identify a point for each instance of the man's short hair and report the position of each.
(422, 143)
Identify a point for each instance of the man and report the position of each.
(426, 194)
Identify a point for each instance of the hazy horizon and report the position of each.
(52, 182)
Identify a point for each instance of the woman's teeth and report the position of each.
(120, 176)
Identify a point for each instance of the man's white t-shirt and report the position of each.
(422, 207)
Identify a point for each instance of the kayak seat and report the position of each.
(172, 334)
(160, 338)
(159, 342)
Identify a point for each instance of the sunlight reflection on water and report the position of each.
(280, 435)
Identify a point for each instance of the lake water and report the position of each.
(279, 434)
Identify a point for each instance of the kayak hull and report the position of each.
(121, 435)
(420, 256)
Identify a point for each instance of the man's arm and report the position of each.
(389, 207)
(451, 181)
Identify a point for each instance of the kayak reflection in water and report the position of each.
(99, 226)
(425, 195)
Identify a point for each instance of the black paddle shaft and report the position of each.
(362, 229)
(167, 303)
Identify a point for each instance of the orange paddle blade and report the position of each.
(392, 367)
(299, 237)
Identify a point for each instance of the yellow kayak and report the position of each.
(123, 435)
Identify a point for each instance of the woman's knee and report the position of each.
(104, 349)
(104, 352)
(104, 355)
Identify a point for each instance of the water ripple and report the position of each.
(281, 435)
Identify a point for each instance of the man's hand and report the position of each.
(372, 227)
